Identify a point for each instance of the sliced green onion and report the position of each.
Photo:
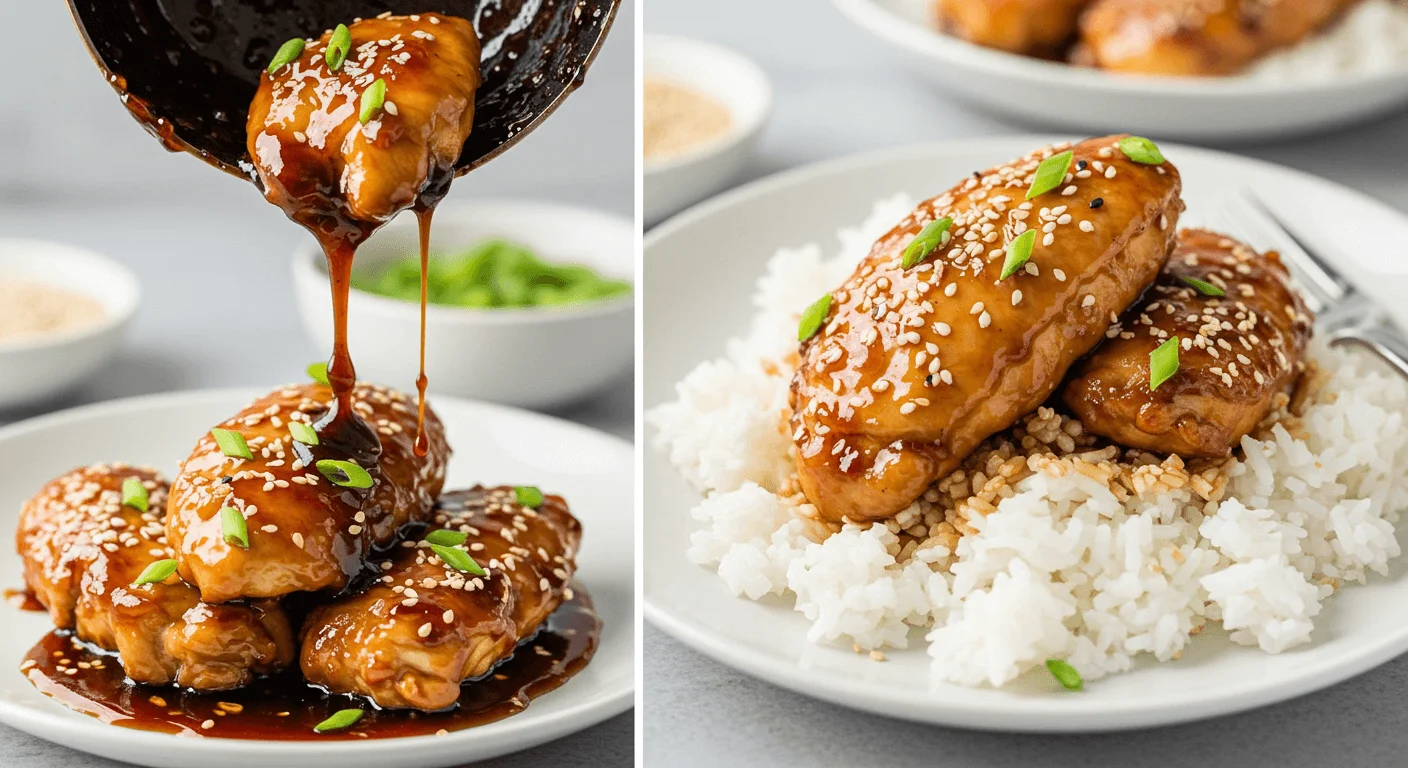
(372, 100)
(446, 538)
(155, 573)
(529, 496)
(1141, 150)
(934, 234)
(302, 433)
(1204, 287)
(343, 718)
(134, 494)
(1019, 252)
(1065, 674)
(344, 473)
(288, 53)
(458, 559)
(813, 317)
(1050, 174)
(1163, 363)
(231, 443)
(233, 527)
(319, 372)
(339, 45)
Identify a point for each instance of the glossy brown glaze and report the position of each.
(24, 600)
(305, 533)
(1237, 353)
(424, 215)
(1195, 37)
(913, 368)
(286, 708)
(82, 550)
(414, 635)
(1033, 27)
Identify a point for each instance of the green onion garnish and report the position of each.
(233, 527)
(319, 372)
(372, 100)
(343, 718)
(1204, 287)
(302, 433)
(813, 317)
(458, 559)
(1050, 174)
(231, 443)
(134, 494)
(1065, 674)
(1019, 252)
(446, 538)
(288, 53)
(1141, 150)
(1163, 363)
(344, 473)
(157, 572)
(339, 45)
(529, 496)
(934, 234)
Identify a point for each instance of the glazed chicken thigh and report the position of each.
(914, 367)
(426, 626)
(1034, 27)
(1237, 352)
(83, 549)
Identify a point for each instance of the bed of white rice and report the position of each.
(1070, 564)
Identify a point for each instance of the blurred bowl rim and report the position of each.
(759, 89)
(126, 297)
(308, 265)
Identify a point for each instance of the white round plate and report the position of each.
(697, 300)
(493, 445)
(1038, 92)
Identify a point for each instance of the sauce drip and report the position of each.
(24, 600)
(424, 213)
(285, 708)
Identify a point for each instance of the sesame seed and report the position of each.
(424, 630)
(977, 307)
(907, 408)
(984, 320)
(1086, 226)
(1089, 300)
(1068, 191)
(1016, 297)
(1060, 275)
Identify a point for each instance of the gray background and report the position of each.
(839, 91)
(75, 167)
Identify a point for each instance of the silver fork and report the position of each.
(1344, 314)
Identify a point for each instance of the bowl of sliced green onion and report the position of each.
(528, 304)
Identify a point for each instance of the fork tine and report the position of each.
(1246, 216)
(1327, 274)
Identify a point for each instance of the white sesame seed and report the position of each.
(1049, 239)
(977, 307)
(424, 630)
(907, 408)
(984, 320)
(1086, 226)
(950, 289)
(1089, 300)
(942, 329)
(1016, 297)
(1068, 191)
(1060, 275)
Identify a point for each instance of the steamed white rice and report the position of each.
(1069, 564)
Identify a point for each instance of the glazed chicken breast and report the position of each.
(1237, 352)
(1032, 27)
(83, 548)
(1195, 37)
(311, 147)
(913, 367)
(426, 626)
(310, 527)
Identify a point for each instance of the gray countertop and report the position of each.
(91, 177)
(838, 91)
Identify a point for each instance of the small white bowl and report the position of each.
(674, 182)
(38, 368)
(533, 358)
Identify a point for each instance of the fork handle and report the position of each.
(1377, 333)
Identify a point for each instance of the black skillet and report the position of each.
(188, 69)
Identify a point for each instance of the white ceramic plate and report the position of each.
(492, 444)
(698, 299)
(1038, 92)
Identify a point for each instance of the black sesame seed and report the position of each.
(1081, 165)
(227, 479)
(1097, 202)
(978, 175)
(929, 380)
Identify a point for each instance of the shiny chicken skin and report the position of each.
(415, 635)
(913, 368)
(312, 151)
(1237, 353)
(1195, 37)
(305, 532)
(83, 549)
(1033, 27)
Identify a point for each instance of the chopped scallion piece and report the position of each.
(813, 317)
(1204, 287)
(339, 45)
(319, 372)
(529, 496)
(1163, 363)
(344, 473)
(1065, 674)
(373, 99)
(1050, 174)
(933, 235)
(134, 494)
(303, 433)
(1141, 150)
(446, 538)
(1019, 252)
(233, 527)
(231, 443)
(343, 718)
(288, 53)
(155, 573)
(458, 559)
